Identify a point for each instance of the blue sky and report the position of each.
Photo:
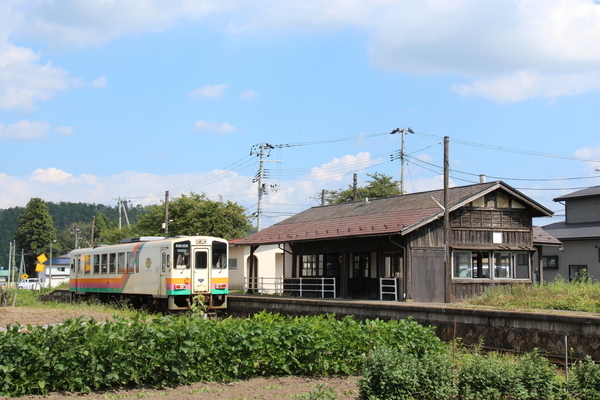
(127, 99)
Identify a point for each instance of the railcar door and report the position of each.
(165, 259)
(201, 273)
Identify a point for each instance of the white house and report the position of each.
(261, 271)
(56, 271)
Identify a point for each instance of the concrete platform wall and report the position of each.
(508, 330)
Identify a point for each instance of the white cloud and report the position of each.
(24, 81)
(51, 175)
(65, 130)
(590, 153)
(24, 130)
(209, 91)
(336, 169)
(506, 51)
(214, 127)
(99, 83)
(82, 22)
(524, 85)
(247, 94)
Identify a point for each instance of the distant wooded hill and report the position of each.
(65, 215)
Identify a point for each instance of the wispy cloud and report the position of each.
(99, 83)
(214, 127)
(24, 130)
(209, 91)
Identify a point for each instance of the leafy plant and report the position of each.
(400, 373)
(587, 379)
(322, 392)
(164, 351)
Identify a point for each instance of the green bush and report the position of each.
(400, 373)
(494, 376)
(586, 385)
(81, 356)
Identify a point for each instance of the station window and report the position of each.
(312, 264)
(478, 264)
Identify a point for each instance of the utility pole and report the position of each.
(166, 224)
(122, 210)
(355, 187)
(402, 132)
(92, 235)
(10, 271)
(449, 297)
(119, 202)
(50, 275)
(322, 197)
(259, 178)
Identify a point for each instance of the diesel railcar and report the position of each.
(154, 272)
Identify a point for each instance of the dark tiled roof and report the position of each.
(593, 191)
(378, 216)
(564, 231)
(541, 237)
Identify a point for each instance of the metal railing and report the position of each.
(302, 287)
(263, 285)
(388, 287)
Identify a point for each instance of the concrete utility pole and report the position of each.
(92, 234)
(403, 132)
(50, 274)
(166, 224)
(262, 189)
(449, 297)
(355, 187)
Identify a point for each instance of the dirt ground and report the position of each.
(345, 388)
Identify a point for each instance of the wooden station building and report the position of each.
(402, 248)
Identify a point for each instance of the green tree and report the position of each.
(35, 230)
(197, 215)
(380, 185)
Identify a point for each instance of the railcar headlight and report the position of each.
(221, 286)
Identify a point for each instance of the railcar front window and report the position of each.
(182, 255)
(219, 256)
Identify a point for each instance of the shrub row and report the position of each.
(80, 356)
(395, 374)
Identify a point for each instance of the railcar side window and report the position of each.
(86, 264)
(121, 263)
(219, 255)
(104, 263)
(96, 264)
(112, 268)
(130, 262)
(201, 260)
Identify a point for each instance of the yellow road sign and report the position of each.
(42, 258)
(24, 276)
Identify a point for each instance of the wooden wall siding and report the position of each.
(377, 243)
(484, 237)
(431, 235)
(465, 291)
(497, 219)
